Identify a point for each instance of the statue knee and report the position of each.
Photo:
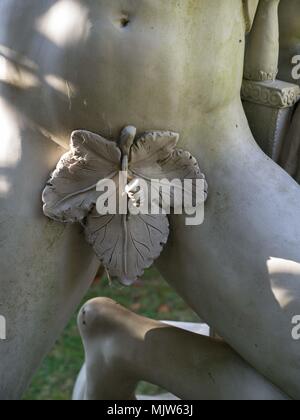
(95, 316)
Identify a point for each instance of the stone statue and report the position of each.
(158, 65)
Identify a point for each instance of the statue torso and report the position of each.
(103, 64)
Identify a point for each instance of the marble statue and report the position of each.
(176, 66)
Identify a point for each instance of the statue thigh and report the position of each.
(45, 267)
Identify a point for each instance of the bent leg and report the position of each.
(123, 348)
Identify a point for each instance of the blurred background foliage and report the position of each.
(151, 297)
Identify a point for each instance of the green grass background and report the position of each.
(151, 297)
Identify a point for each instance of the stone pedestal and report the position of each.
(269, 107)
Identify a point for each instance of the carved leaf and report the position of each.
(71, 192)
(127, 245)
(154, 156)
(151, 147)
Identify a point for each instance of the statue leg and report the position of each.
(45, 267)
(123, 348)
(243, 263)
